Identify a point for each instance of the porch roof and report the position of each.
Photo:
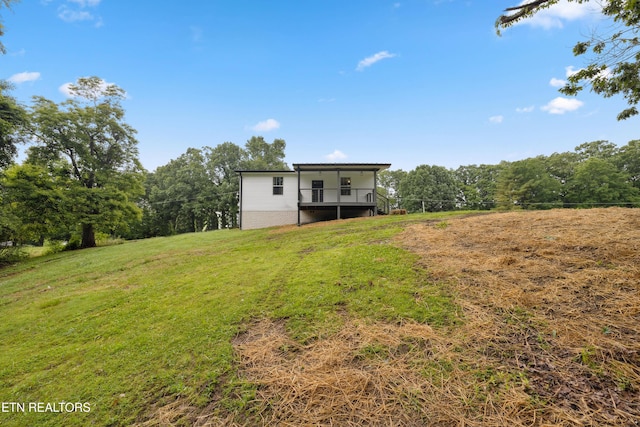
(240, 171)
(323, 167)
(341, 166)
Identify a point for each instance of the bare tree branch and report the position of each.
(523, 9)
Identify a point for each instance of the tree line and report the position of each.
(595, 174)
(81, 176)
(198, 191)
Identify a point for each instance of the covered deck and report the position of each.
(342, 190)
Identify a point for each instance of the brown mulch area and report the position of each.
(550, 336)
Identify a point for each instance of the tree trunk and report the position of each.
(88, 236)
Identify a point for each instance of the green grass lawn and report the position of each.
(125, 327)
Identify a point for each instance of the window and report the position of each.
(345, 186)
(278, 185)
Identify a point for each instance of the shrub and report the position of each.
(11, 254)
(74, 243)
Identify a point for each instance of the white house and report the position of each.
(309, 193)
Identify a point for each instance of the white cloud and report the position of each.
(85, 3)
(562, 105)
(336, 155)
(369, 61)
(66, 90)
(496, 119)
(266, 126)
(570, 70)
(525, 109)
(68, 15)
(556, 15)
(24, 77)
(75, 11)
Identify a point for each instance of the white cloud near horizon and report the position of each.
(27, 76)
(266, 125)
(336, 155)
(556, 15)
(496, 119)
(369, 61)
(562, 105)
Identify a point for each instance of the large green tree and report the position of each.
(89, 133)
(7, 4)
(561, 167)
(597, 182)
(183, 195)
(432, 188)
(199, 190)
(601, 149)
(260, 155)
(628, 160)
(477, 186)
(39, 202)
(13, 118)
(222, 163)
(389, 185)
(527, 184)
(614, 63)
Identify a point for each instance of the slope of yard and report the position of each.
(527, 318)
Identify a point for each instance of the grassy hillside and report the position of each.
(128, 327)
(527, 318)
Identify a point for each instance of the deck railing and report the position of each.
(350, 196)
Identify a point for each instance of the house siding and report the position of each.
(261, 208)
(262, 219)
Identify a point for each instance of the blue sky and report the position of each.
(407, 82)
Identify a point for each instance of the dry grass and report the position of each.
(551, 336)
(552, 294)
